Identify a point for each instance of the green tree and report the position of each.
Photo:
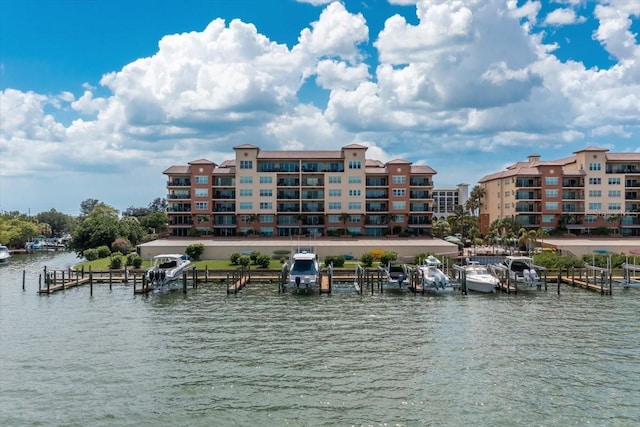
(16, 230)
(195, 250)
(156, 221)
(99, 228)
(474, 203)
(87, 206)
(441, 227)
(59, 222)
(253, 219)
(132, 230)
(344, 218)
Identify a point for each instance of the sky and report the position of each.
(98, 98)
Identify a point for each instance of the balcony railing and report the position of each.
(178, 183)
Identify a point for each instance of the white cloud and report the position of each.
(315, 2)
(339, 75)
(563, 17)
(614, 30)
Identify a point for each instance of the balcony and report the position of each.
(528, 220)
(181, 221)
(632, 195)
(419, 207)
(528, 195)
(630, 221)
(528, 207)
(377, 207)
(572, 207)
(312, 207)
(179, 183)
(376, 182)
(179, 195)
(413, 194)
(224, 207)
(528, 182)
(377, 194)
(288, 207)
(420, 182)
(573, 195)
(573, 183)
(632, 183)
(224, 195)
(626, 168)
(288, 194)
(288, 182)
(225, 220)
(312, 182)
(179, 208)
(419, 220)
(312, 194)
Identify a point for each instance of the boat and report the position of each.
(631, 278)
(519, 270)
(396, 277)
(5, 255)
(431, 276)
(167, 268)
(36, 244)
(478, 278)
(304, 271)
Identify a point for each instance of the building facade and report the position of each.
(589, 190)
(285, 193)
(445, 200)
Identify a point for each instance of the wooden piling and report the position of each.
(184, 282)
(24, 273)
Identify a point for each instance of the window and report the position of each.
(595, 166)
(246, 180)
(355, 164)
(399, 192)
(506, 194)
(266, 231)
(399, 219)
(614, 181)
(507, 205)
(595, 181)
(355, 193)
(355, 205)
(266, 219)
(551, 193)
(614, 206)
(202, 206)
(246, 206)
(265, 192)
(355, 180)
(266, 205)
(399, 205)
(244, 192)
(595, 193)
(335, 205)
(595, 206)
(551, 206)
(246, 164)
(201, 179)
(335, 179)
(266, 180)
(201, 192)
(398, 179)
(551, 180)
(590, 218)
(335, 192)
(548, 218)
(333, 219)
(614, 193)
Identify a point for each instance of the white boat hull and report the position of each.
(480, 286)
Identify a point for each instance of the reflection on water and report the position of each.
(263, 358)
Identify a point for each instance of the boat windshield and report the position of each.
(304, 266)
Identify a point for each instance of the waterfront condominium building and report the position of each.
(284, 193)
(445, 200)
(589, 190)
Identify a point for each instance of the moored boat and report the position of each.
(396, 277)
(431, 276)
(304, 271)
(5, 255)
(478, 279)
(518, 270)
(167, 268)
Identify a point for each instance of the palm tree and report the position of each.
(441, 227)
(299, 220)
(541, 234)
(253, 219)
(389, 218)
(344, 218)
(474, 203)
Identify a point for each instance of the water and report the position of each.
(260, 358)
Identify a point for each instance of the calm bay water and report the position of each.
(260, 358)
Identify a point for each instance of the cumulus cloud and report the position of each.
(563, 17)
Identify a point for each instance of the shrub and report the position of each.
(263, 260)
(419, 257)
(235, 258)
(367, 259)
(338, 261)
(121, 245)
(116, 261)
(134, 260)
(254, 256)
(90, 254)
(103, 251)
(387, 257)
(194, 251)
(244, 261)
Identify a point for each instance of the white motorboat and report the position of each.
(478, 278)
(431, 276)
(5, 255)
(36, 244)
(167, 268)
(519, 270)
(396, 277)
(304, 272)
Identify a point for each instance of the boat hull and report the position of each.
(480, 286)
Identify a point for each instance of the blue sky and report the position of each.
(98, 98)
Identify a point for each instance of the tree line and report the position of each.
(97, 225)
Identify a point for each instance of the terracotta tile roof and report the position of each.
(398, 162)
(623, 157)
(201, 162)
(591, 148)
(423, 169)
(351, 146)
(245, 146)
(177, 170)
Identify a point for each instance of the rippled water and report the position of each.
(260, 358)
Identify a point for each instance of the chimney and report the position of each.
(533, 158)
